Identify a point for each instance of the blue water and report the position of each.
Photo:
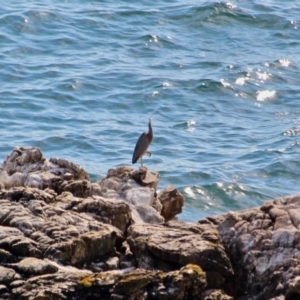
(79, 79)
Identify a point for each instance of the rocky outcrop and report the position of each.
(264, 247)
(65, 237)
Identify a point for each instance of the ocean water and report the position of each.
(79, 79)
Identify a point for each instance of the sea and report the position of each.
(221, 79)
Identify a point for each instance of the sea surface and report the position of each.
(80, 79)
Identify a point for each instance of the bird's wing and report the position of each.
(140, 148)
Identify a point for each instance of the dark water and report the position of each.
(79, 79)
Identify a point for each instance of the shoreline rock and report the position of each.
(63, 237)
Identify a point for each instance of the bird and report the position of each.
(142, 145)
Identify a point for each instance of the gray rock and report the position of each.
(35, 266)
(172, 202)
(176, 244)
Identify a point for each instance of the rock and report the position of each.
(110, 211)
(172, 202)
(145, 178)
(34, 266)
(141, 197)
(3, 289)
(42, 180)
(293, 291)
(263, 244)
(148, 215)
(26, 166)
(7, 181)
(87, 246)
(215, 294)
(78, 188)
(67, 169)
(63, 237)
(186, 283)
(60, 285)
(26, 194)
(35, 229)
(8, 275)
(23, 160)
(15, 243)
(112, 263)
(6, 257)
(175, 244)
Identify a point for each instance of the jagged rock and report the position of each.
(52, 216)
(69, 169)
(26, 166)
(263, 244)
(176, 244)
(43, 180)
(148, 215)
(145, 178)
(13, 240)
(7, 181)
(172, 202)
(60, 285)
(110, 211)
(23, 160)
(186, 283)
(79, 188)
(37, 229)
(142, 199)
(26, 194)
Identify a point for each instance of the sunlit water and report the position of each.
(79, 79)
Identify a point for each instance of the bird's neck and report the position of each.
(150, 133)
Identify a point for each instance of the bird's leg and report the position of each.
(148, 153)
(141, 161)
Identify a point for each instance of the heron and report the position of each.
(142, 145)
